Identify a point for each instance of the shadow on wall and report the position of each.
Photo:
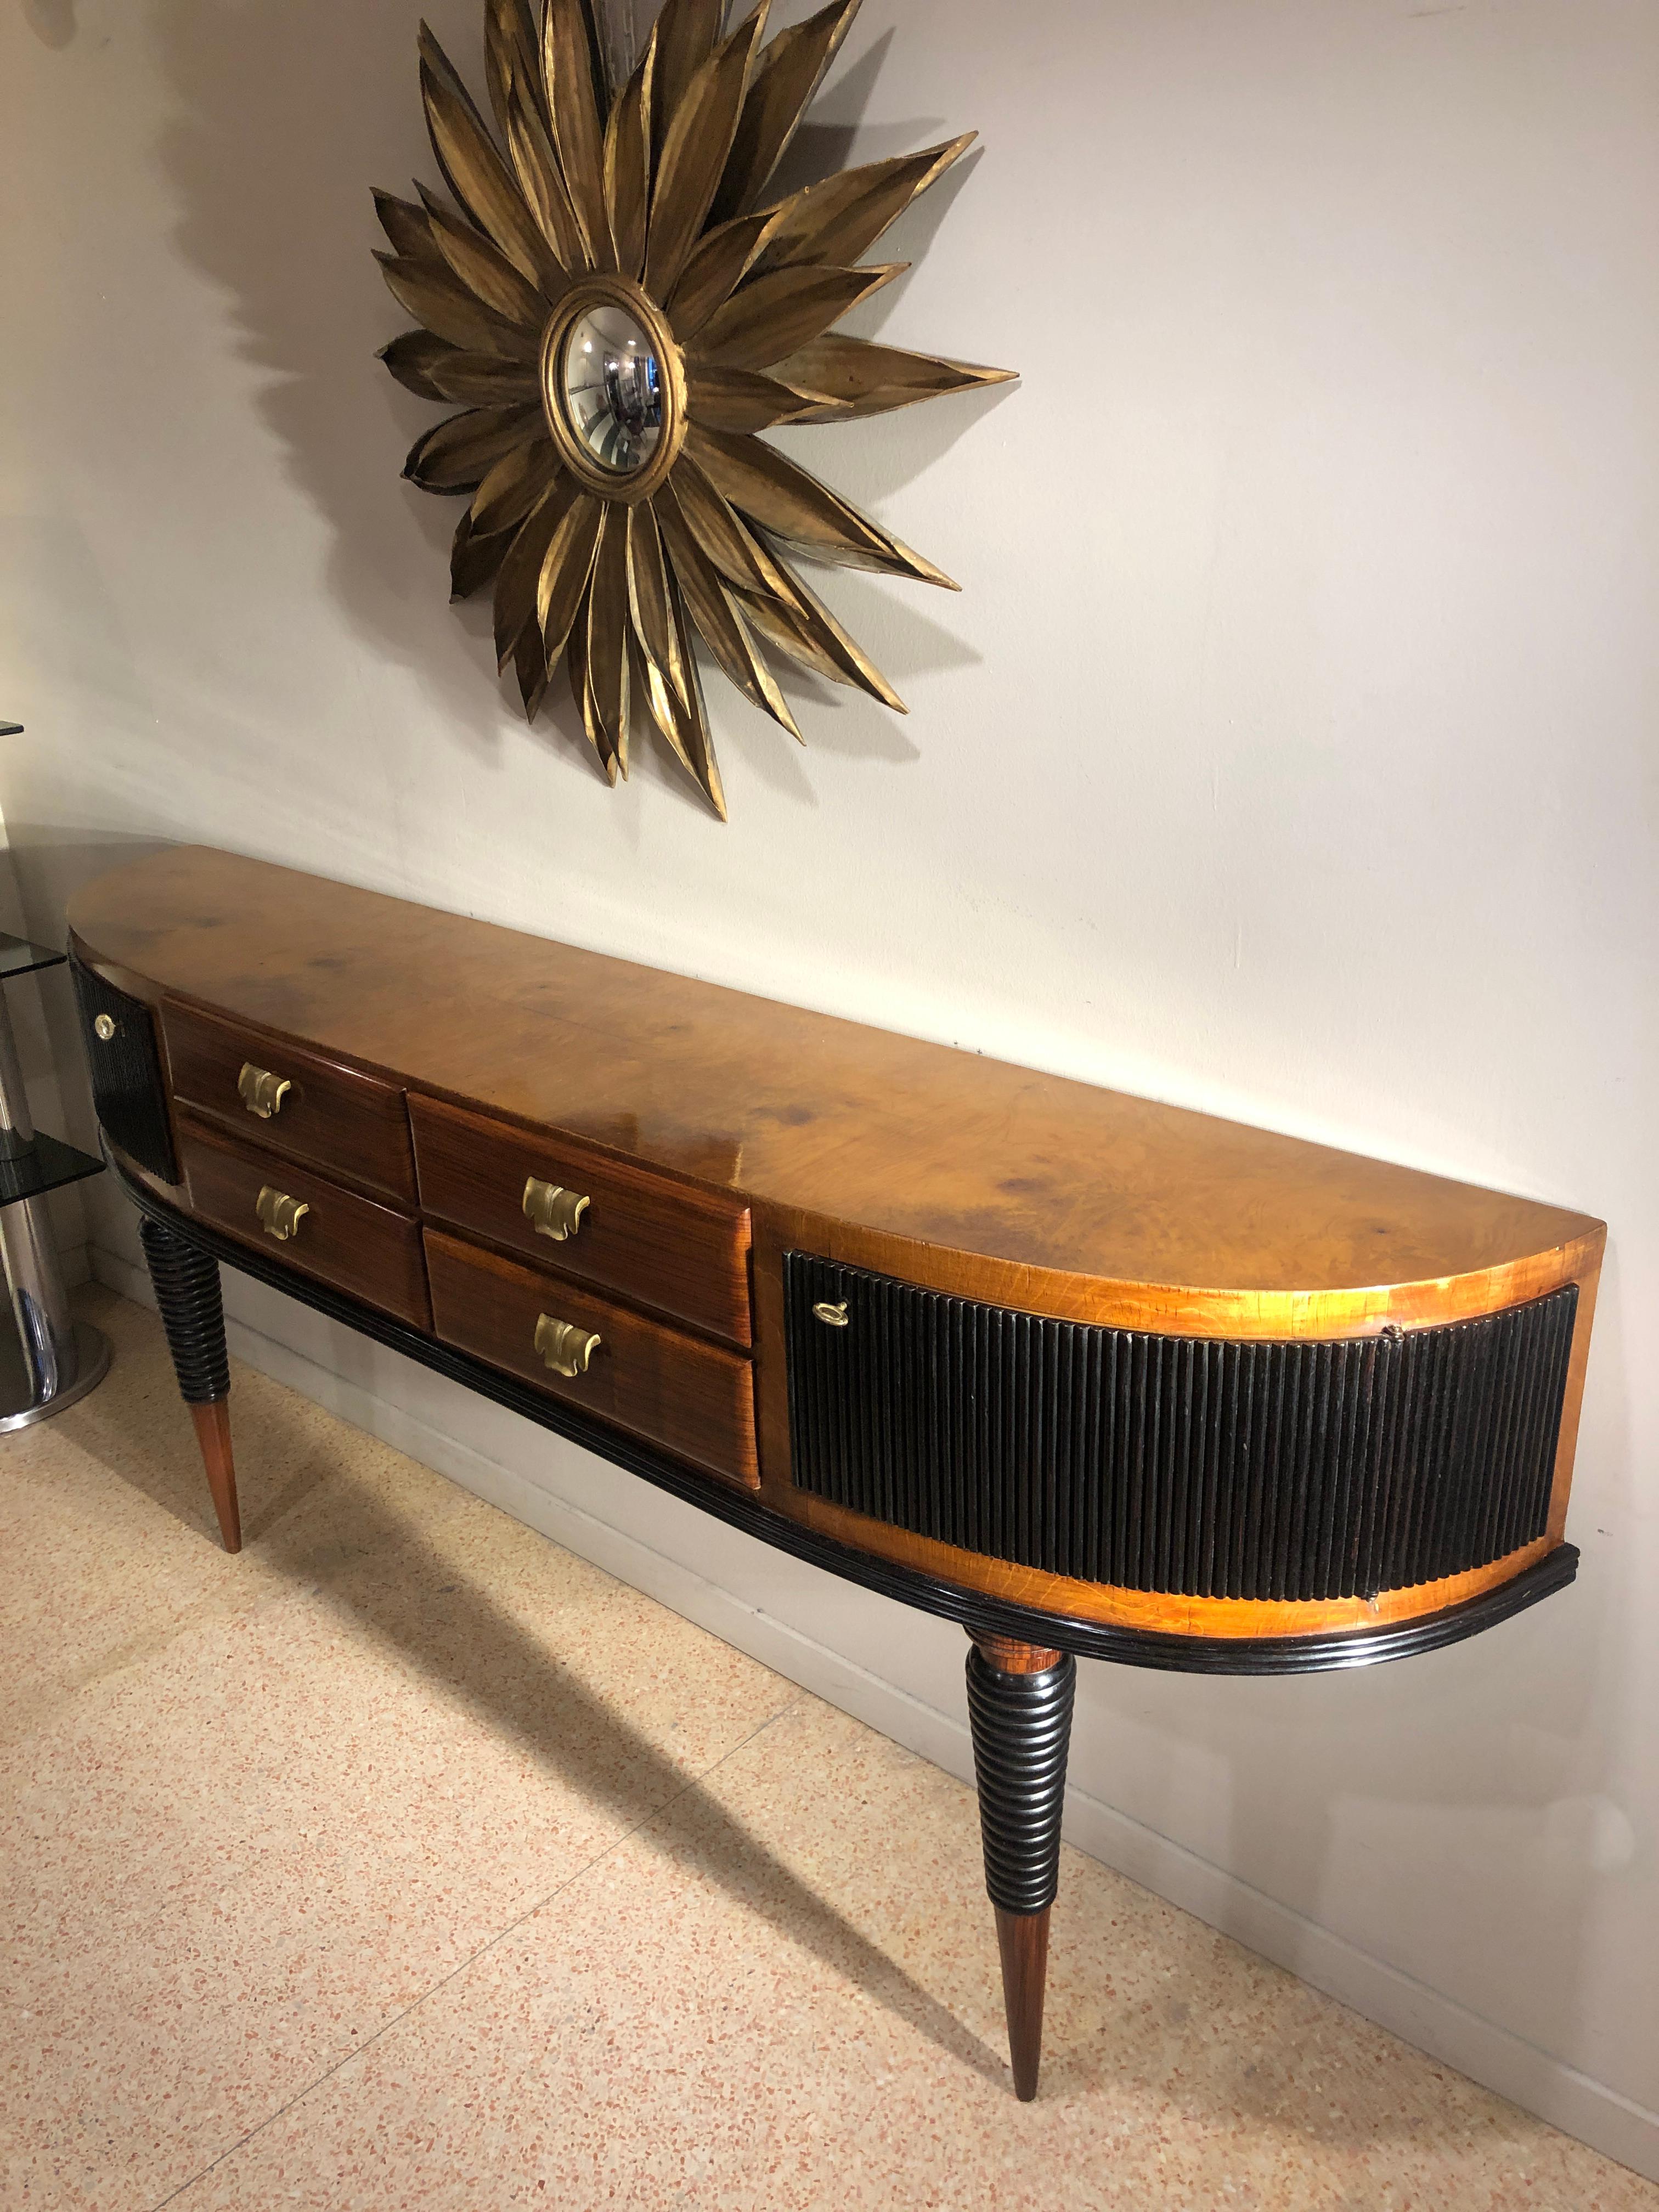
(53, 21)
(290, 111)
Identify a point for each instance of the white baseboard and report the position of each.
(1432, 2022)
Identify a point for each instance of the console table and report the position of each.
(1090, 1375)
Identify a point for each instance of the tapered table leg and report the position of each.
(187, 1281)
(1020, 1707)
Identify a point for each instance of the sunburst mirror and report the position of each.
(618, 312)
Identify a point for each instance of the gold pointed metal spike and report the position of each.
(628, 167)
(473, 168)
(484, 269)
(455, 455)
(789, 72)
(720, 263)
(841, 218)
(511, 53)
(569, 66)
(482, 379)
(617, 317)
(775, 314)
(693, 154)
(687, 31)
(861, 378)
(413, 357)
(513, 487)
(724, 398)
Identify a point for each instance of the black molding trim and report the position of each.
(973, 1609)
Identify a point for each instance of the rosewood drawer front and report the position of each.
(694, 1400)
(674, 1248)
(366, 1249)
(306, 1105)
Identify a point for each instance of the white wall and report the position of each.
(1290, 753)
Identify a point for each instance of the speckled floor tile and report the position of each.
(783, 1994)
(242, 1832)
(407, 1861)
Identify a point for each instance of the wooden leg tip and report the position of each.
(1022, 1940)
(213, 1435)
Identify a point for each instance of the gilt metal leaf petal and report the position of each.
(722, 398)
(840, 219)
(520, 571)
(513, 487)
(722, 259)
(804, 628)
(715, 614)
(443, 303)
(790, 503)
(788, 74)
(649, 603)
(511, 53)
(455, 455)
(482, 268)
(569, 64)
(567, 565)
(607, 637)
(628, 167)
(693, 154)
(778, 313)
(484, 379)
(413, 357)
(474, 559)
(687, 31)
(541, 182)
(866, 379)
(473, 168)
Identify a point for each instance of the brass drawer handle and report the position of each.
(261, 1091)
(104, 1028)
(280, 1216)
(552, 1210)
(835, 1314)
(564, 1347)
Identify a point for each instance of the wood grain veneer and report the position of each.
(665, 1244)
(333, 1116)
(345, 1239)
(693, 1400)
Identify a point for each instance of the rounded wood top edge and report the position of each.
(1177, 1310)
(1251, 1305)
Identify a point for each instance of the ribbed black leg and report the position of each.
(1020, 1707)
(187, 1281)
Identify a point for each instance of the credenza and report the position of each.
(1090, 1376)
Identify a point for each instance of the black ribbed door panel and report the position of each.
(127, 1088)
(1184, 1464)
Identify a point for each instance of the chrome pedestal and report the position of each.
(49, 1359)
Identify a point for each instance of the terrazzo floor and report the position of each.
(410, 1861)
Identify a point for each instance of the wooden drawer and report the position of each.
(360, 1247)
(694, 1400)
(335, 1117)
(681, 1251)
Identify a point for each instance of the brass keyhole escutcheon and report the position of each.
(564, 1347)
(261, 1091)
(280, 1216)
(835, 1315)
(104, 1028)
(552, 1210)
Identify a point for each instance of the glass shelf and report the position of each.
(19, 958)
(48, 1164)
